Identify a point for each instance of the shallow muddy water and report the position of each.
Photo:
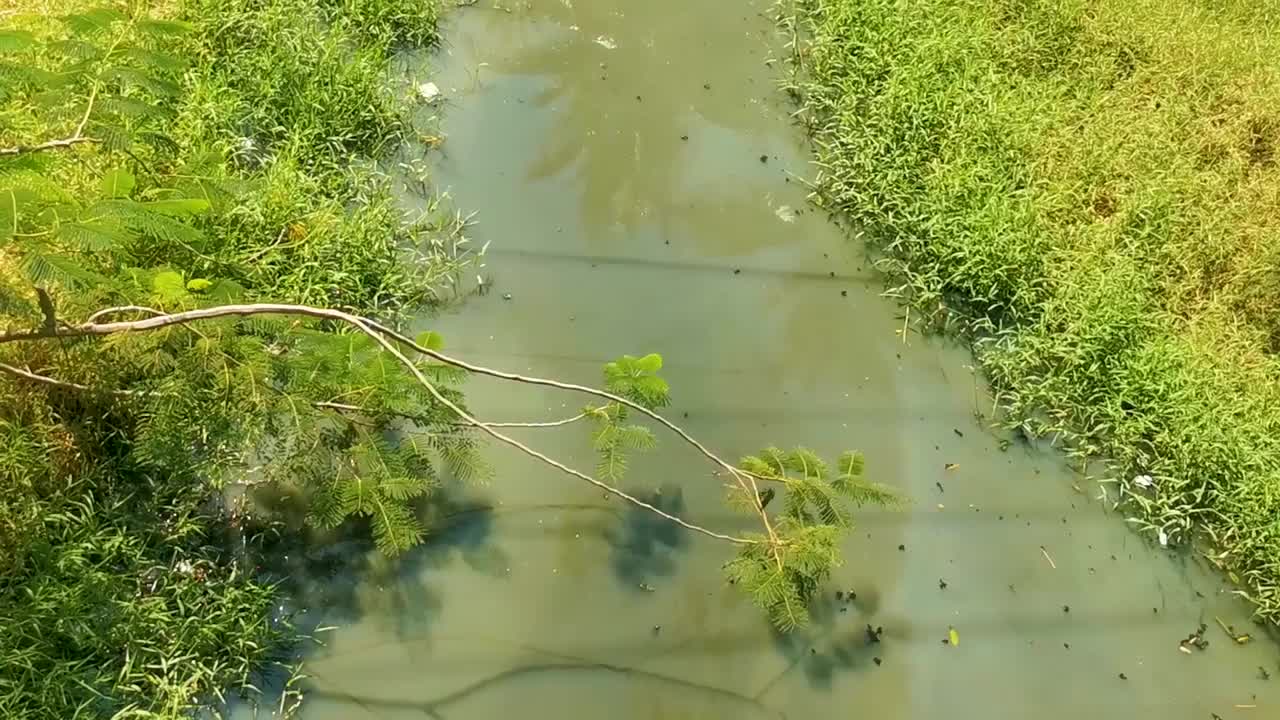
(634, 170)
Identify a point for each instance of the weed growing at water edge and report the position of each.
(1089, 191)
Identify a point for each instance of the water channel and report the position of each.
(634, 170)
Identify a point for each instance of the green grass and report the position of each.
(1089, 188)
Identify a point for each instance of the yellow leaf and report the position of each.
(953, 636)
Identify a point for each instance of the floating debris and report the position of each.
(785, 213)
(1195, 639)
(873, 634)
(1144, 481)
(606, 42)
(902, 548)
(646, 587)
(953, 636)
(1238, 638)
(877, 661)
(942, 584)
(951, 466)
(429, 92)
(1123, 676)
(957, 432)
(1044, 552)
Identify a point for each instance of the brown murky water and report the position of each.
(634, 170)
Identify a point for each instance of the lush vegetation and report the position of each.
(135, 170)
(1090, 188)
(201, 273)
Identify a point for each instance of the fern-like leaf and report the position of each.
(404, 487)
(395, 529)
(42, 268)
(94, 236)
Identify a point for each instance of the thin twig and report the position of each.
(122, 309)
(346, 407)
(49, 145)
(380, 335)
(34, 377)
(1052, 564)
(78, 136)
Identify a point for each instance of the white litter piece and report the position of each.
(606, 42)
(429, 92)
(785, 213)
(1164, 539)
(1144, 481)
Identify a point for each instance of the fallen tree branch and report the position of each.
(385, 337)
(746, 481)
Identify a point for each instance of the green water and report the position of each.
(630, 163)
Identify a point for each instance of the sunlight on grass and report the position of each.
(1090, 189)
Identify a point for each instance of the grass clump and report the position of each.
(1091, 190)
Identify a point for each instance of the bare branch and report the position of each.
(379, 334)
(28, 375)
(746, 481)
(345, 407)
(122, 309)
(49, 145)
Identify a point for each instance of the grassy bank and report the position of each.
(1090, 188)
(220, 152)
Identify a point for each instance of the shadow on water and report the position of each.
(340, 577)
(644, 546)
(833, 643)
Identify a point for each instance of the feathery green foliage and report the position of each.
(782, 568)
(1089, 189)
(814, 519)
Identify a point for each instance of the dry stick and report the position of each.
(373, 331)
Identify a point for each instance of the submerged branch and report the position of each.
(387, 338)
